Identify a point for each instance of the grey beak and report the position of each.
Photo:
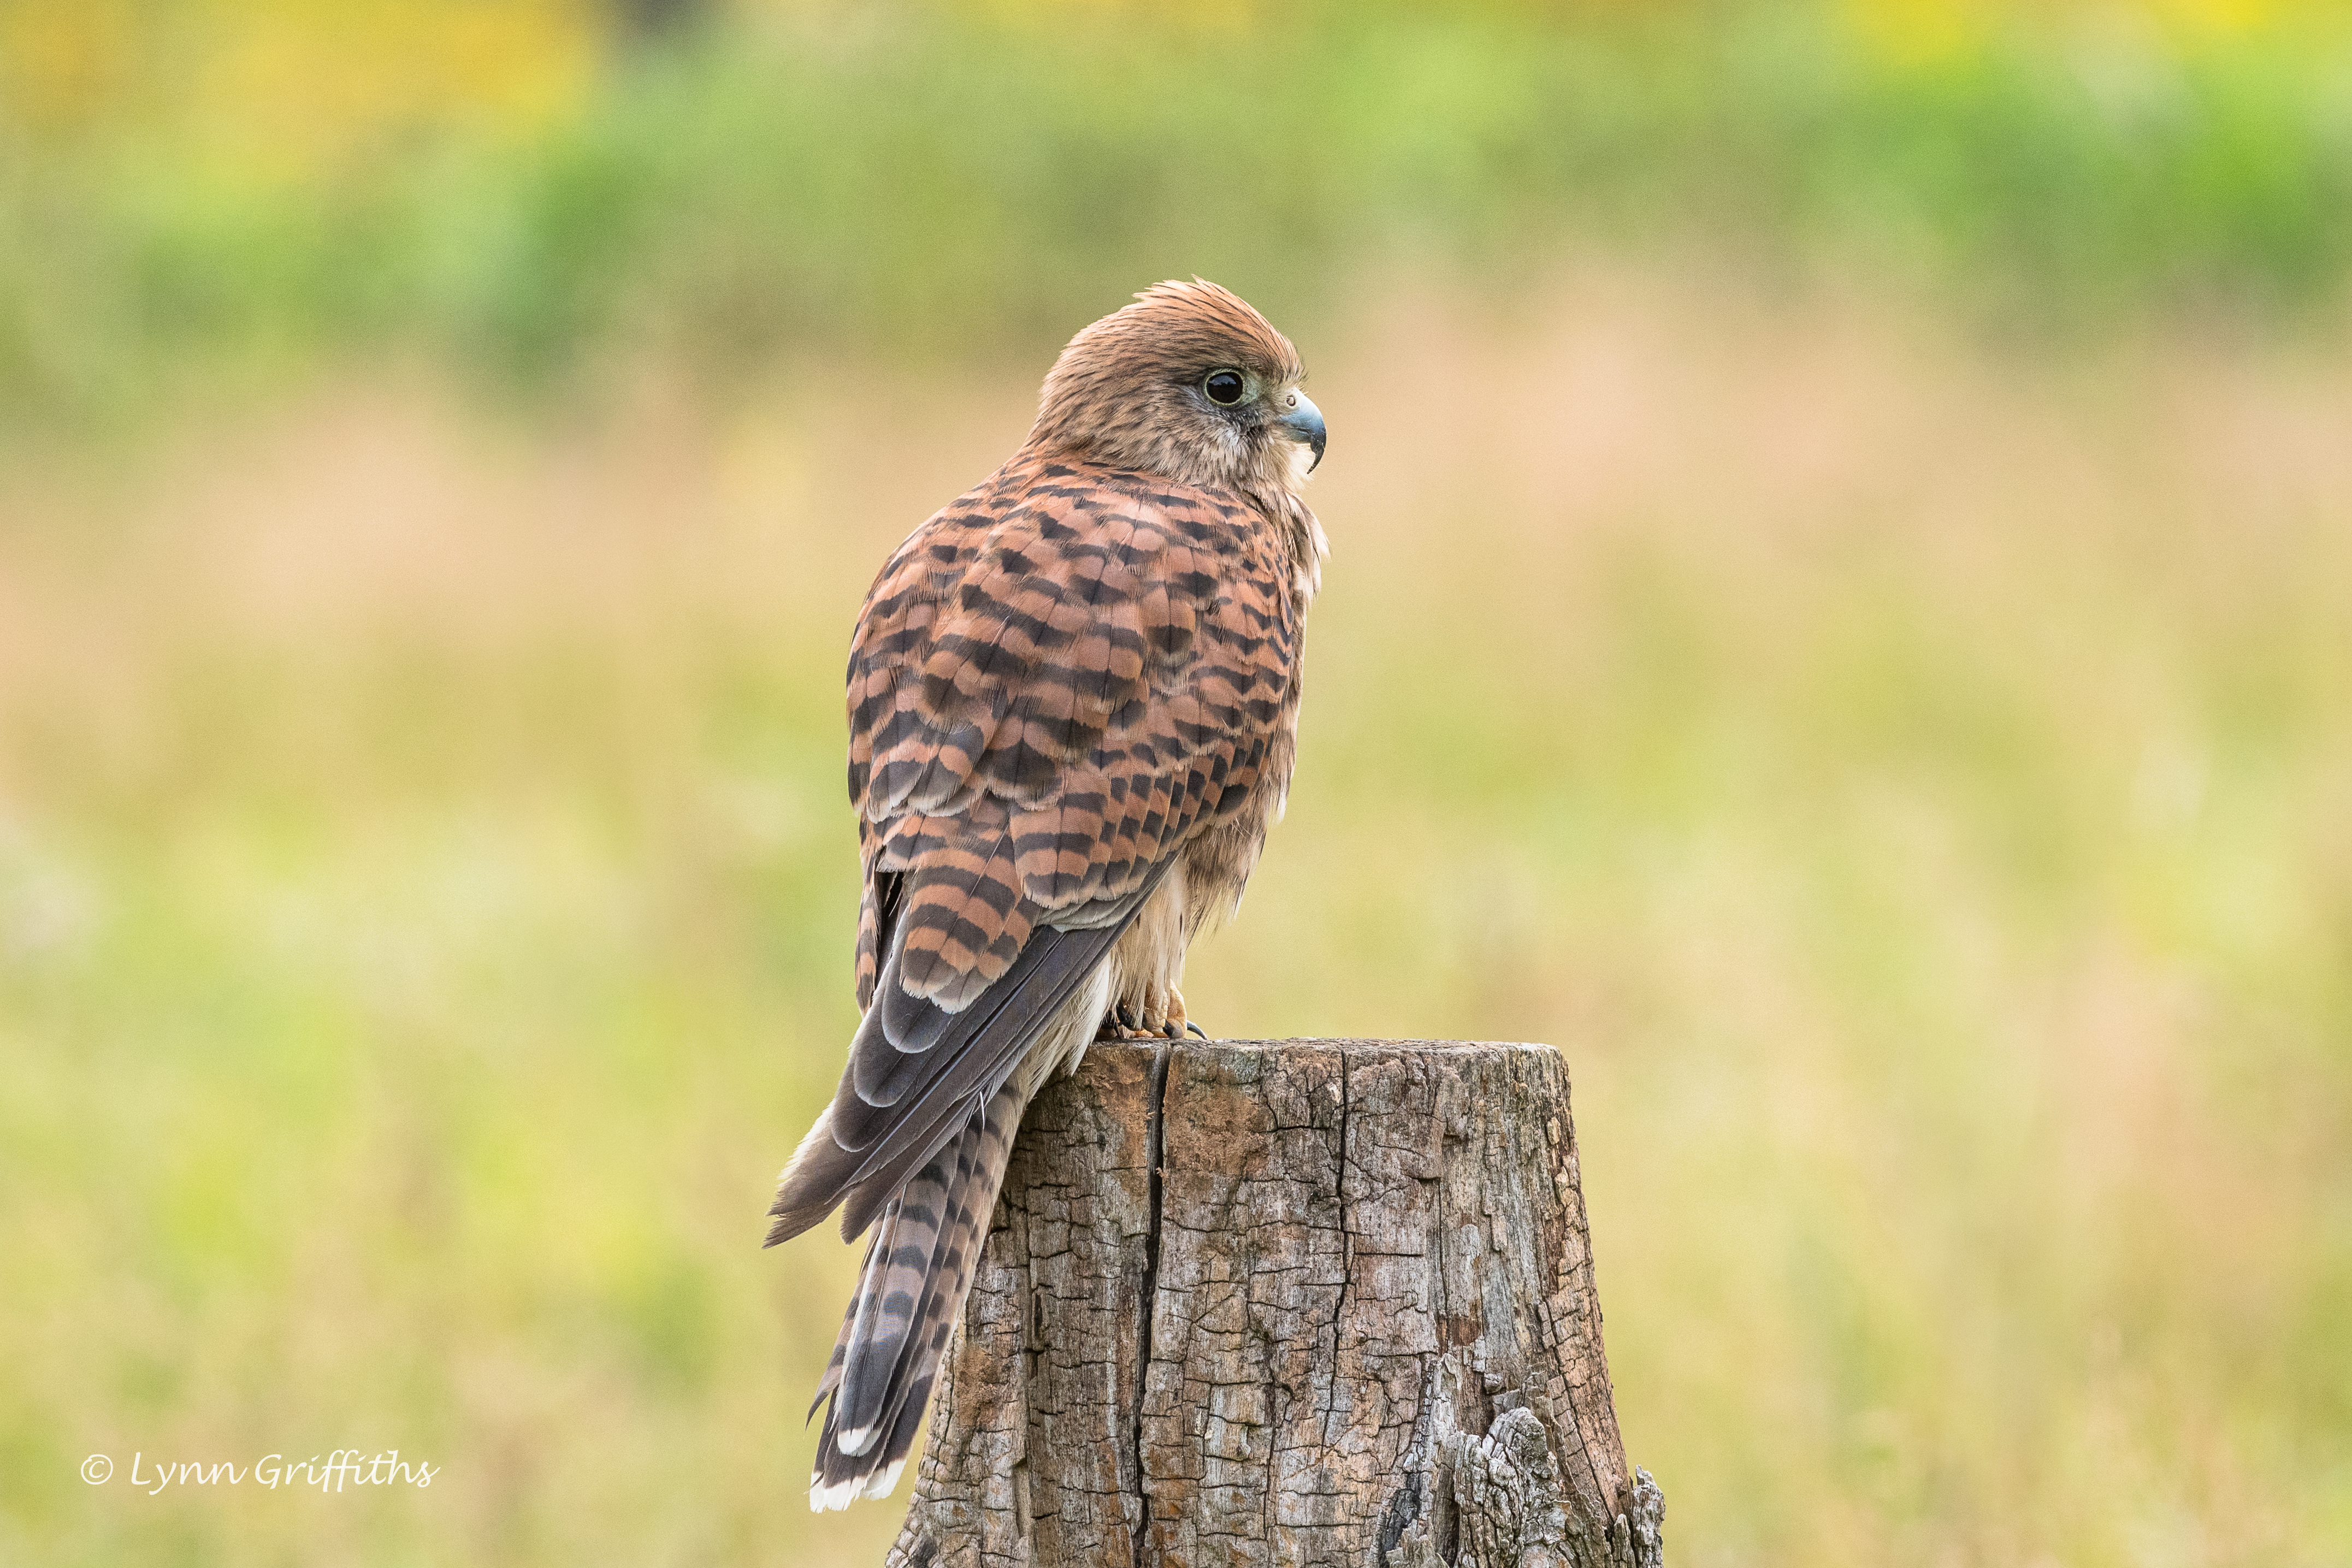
(1305, 423)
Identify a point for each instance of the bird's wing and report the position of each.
(1056, 683)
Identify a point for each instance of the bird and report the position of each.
(1072, 698)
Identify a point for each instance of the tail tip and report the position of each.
(832, 1497)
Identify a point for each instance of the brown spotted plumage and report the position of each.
(1072, 698)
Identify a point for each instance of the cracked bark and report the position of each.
(1286, 1302)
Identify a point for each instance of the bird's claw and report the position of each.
(1126, 1021)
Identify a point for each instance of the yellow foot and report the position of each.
(1177, 1023)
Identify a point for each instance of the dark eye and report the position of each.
(1225, 388)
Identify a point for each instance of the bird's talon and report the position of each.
(1196, 1029)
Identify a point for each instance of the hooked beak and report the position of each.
(1304, 423)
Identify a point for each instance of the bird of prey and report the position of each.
(1073, 709)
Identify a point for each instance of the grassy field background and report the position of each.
(1896, 740)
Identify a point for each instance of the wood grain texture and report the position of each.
(1276, 1303)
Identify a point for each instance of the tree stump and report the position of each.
(1315, 1303)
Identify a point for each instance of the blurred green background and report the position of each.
(1838, 620)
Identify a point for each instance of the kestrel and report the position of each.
(1073, 709)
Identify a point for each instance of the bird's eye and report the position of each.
(1223, 387)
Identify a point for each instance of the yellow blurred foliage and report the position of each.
(283, 88)
(1914, 31)
(58, 63)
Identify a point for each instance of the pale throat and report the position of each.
(1297, 462)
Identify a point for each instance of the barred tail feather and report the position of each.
(909, 1295)
(832, 1379)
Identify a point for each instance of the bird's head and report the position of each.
(1189, 382)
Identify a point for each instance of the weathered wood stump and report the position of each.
(1286, 1302)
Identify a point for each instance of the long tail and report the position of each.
(917, 1271)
